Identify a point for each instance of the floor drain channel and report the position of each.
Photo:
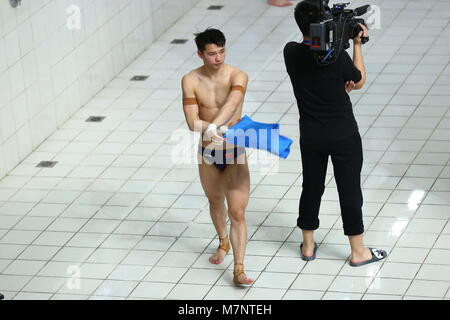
(47, 164)
(179, 41)
(215, 7)
(139, 78)
(95, 119)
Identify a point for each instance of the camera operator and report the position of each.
(328, 128)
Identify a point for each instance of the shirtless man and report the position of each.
(213, 97)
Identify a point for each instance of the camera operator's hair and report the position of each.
(306, 12)
(209, 36)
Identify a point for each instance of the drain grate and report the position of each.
(95, 119)
(47, 164)
(215, 7)
(139, 78)
(179, 41)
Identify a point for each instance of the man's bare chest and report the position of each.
(212, 94)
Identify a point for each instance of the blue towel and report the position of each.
(263, 136)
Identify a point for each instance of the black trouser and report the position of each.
(347, 159)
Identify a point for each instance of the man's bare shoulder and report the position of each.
(238, 75)
(235, 72)
(191, 77)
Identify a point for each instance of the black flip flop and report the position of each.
(377, 255)
(305, 258)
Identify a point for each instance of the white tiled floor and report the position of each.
(119, 214)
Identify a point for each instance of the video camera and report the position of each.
(337, 26)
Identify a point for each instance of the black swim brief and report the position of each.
(220, 158)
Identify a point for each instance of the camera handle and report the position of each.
(363, 39)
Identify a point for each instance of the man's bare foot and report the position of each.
(218, 257)
(308, 249)
(222, 250)
(239, 276)
(280, 3)
(358, 257)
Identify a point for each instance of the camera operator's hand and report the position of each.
(364, 33)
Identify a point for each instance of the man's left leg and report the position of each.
(237, 192)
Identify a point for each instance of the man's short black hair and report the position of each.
(307, 12)
(209, 36)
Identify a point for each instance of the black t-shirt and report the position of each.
(324, 105)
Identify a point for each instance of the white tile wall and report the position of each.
(48, 70)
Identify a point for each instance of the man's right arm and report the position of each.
(190, 106)
(358, 60)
